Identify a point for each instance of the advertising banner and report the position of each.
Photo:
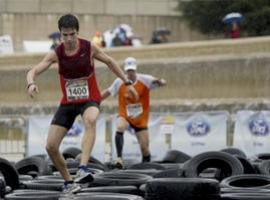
(197, 132)
(38, 132)
(251, 133)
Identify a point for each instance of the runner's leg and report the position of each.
(121, 127)
(55, 136)
(90, 116)
(143, 140)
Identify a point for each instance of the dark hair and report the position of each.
(68, 21)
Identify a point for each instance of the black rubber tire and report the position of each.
(71, 152)
(264, 167)
(25, 178)
(120, 179)
(186, 188)
(2, 187)
(70, 162)
(36, 164)
(248, 167)
(9, 173)
(45, 184)
(245, 196)
(147, 165)
(33, 194)
(175, 156)
(228, 164)
(169, 173)
(263, 156)
(91, 159)
(149, 172)
(245, 190)
(247, 181)
(234, 151)
(114, 189)
(105, 196)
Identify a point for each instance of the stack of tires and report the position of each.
(214, 175)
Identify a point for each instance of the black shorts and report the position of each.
(67, 113)
(137, 129)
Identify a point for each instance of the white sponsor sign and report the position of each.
(38, 133)
(251, 133)
(6, 45)
(200, 131)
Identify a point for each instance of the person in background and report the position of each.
(133, 113)
(81, 95)
(235, 30)
(97, 39)
(56, 39)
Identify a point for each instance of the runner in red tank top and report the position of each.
(81, 95)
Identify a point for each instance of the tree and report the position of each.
(206, 15)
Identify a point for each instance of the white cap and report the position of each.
(130, 64)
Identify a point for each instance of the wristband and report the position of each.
(128, 82)
(30, 85)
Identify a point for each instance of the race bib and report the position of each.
(134, 110)
(77, 90)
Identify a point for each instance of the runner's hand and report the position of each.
(133, 92)
(33, 88)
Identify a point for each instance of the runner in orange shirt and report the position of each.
(133, 113)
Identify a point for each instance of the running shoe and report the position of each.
(71, 188)
(83, 176)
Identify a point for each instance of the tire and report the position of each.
(149, 172)
(169, 173)
(2, 187)
(245, 190)
(120, 179)
(147, 165)
(70, 162)
(33, 194)
(264, 167)
(114, 189)
(226, 163)
(35, 164)
(73, 171)
(247, 181)
(45, 184)
(9, 173)
(234, 151)
(186, 188)
(248, 167)
(91, 159)
(25, 178)
(175, 156)
(105, 196)
(245, 196)
(71, 152)
(263, 156)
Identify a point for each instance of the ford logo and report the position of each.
(75, 130)
(198, 127)
(259, 127)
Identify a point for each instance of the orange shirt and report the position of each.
(136, 112)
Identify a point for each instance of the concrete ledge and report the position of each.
(232, 105)
(171, 50)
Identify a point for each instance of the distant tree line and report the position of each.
(206, 15)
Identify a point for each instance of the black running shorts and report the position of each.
(67, 113)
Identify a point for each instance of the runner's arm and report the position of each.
(159, 82)
(38, 69)
(105, 94)
(109, 61)
(98, 54)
